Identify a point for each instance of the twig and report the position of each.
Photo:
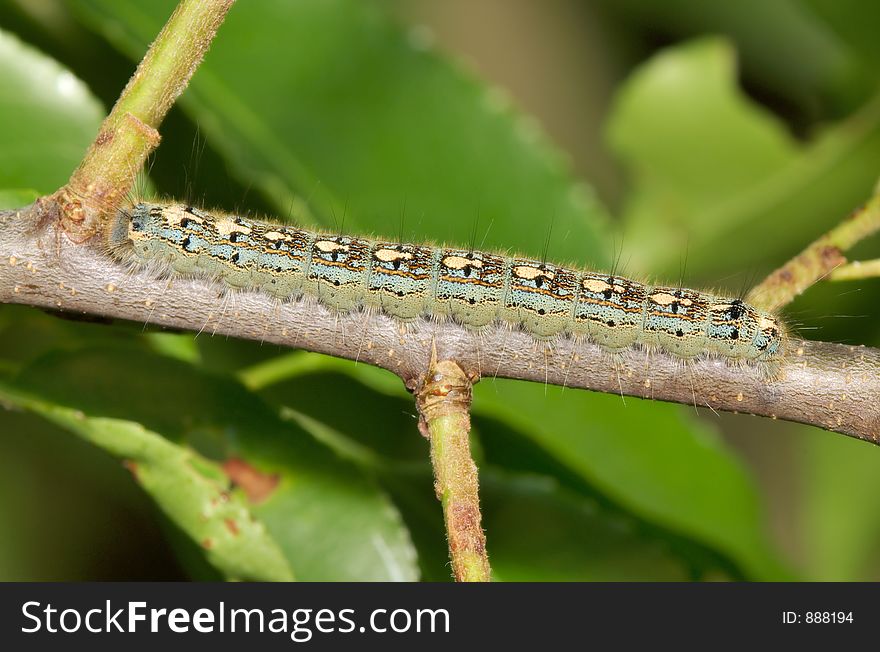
(832, 386)
(128, 135)
(817, 261)
(856, 270)
(443, 402)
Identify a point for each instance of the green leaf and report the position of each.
(70, 511)
(47, 120)
(851, 21)
(787, 49)
(568, 538)
(175, 345)
(190, 490)
(27, 334)
(649, 458)
(718, 179)
(839, 515)
(15, 198)
(729, 143)
(360, 120)
(330, 520)
(385, 423)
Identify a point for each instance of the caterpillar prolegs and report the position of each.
(473, 288)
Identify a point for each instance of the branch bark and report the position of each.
(831, 386)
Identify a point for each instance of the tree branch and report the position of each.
(819, 260)
(831, 386)
(856, 270)
(444, 402)
(129, 134)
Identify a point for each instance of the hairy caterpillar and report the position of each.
(473, 288)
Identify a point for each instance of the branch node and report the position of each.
(129, 134)
(105, 176)
(819, 260)
(444, 401)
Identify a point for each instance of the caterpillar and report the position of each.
(474, 288)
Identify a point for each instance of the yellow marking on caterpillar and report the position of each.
(595, 285)
(665, 299)
(175, 214)
(227, 226)
(328, 246)
(531, 273)
(460, 262)
(390, 255)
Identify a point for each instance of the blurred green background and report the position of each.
(693, 140)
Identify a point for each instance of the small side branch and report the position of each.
(443, 402)
(818, 261)
(857, 270)
(129, 134)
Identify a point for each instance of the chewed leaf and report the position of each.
(191, 493)
(329, 519)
